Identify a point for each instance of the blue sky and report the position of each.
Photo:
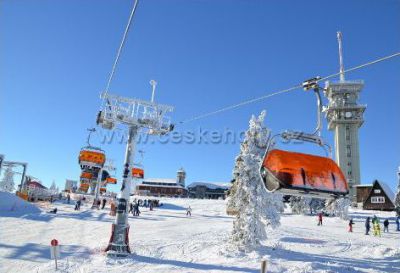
(55, 57)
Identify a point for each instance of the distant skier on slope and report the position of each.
(376, 225)
(68, 198)
(53, 211)
(103, 204)
(320, 219)
(367, 225)
(386, 225)
(351, 223)
(189, 211)
(398, 223)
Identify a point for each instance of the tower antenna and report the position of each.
(153, 84)
(339, 38)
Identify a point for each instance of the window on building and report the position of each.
(377, 191)
(348, 149)
(377, 199)
(347, 133)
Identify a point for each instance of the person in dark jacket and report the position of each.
(103, 204)
(386, 225)
(351, 223)
(320, 219)
(398, 223)
(136, 209)
(367, 225)
(78, 205)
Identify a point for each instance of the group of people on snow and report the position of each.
(376, 227)
(374, 223)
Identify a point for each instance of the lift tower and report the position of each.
(140, 117)
(345, 117)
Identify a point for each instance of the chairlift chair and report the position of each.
(300, 174)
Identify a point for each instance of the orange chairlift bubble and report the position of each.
(137, 173)
(295, 173)
(86, 175)
(298, 174)
(84, 187)
(111, 180)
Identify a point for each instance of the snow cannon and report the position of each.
(299, 174)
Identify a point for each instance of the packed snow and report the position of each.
(166, 240)
(13, 206)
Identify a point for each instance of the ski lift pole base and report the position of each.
(119, 247)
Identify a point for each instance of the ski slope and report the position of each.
(165, 240)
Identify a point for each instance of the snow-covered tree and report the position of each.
(7, 183)
(300, 204)
(339, 207)
(316, 205)
(397, 198)
(256, 208)
(53, 188)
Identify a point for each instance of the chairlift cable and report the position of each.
(267, 96)
(128, 26)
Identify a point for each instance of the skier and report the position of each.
(112, 209)
(68, 198)
(367, 225)
(53, 211)
(151, 204)
(189, 211)
(398, 223)
(136, 209)
(131, 208)
(78, 205)
(351, 223)
(376, 225)
(386, 225)
(103, 204)
(320, 219)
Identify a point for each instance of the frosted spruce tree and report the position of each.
(256, 208)
(316, 205)
(397, 198)
(53, 188)
(339, 207)
(7, 183)
(300, 205)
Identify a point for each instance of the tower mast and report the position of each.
(339, 38)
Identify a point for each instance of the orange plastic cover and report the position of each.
(84, 186)
(91, 156)
(111, 180)
(305, 171)
(103, 189)
(138, 173)
(86, 175)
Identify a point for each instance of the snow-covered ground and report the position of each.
(165, 240)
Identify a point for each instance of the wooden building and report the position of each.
(377, 196)
(161, 187)
(362, 193)
(206, 190)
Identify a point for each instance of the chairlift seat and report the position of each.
(298, 174)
